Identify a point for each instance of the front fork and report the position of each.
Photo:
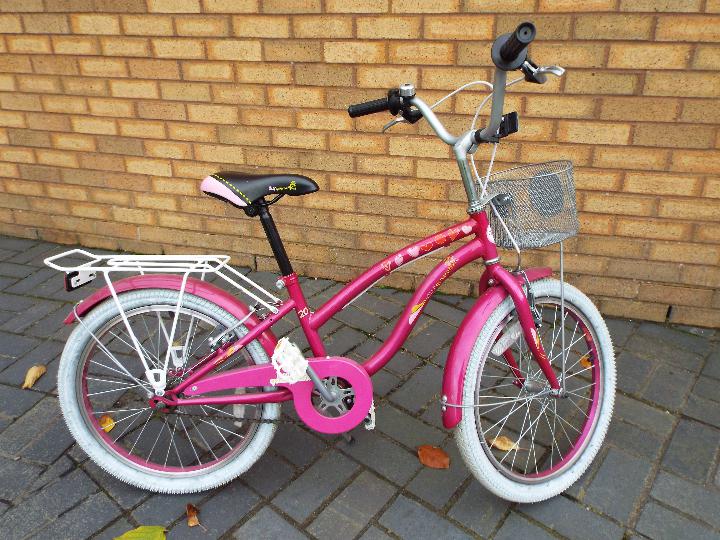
(527, 319)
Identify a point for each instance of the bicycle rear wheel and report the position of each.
(104, 395)
(520, 441)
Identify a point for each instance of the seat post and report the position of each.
(273, 237)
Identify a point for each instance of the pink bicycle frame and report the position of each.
(495, 284)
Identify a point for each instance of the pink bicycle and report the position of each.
(174, 385)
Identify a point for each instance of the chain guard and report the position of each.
(343, 368)
(302, 391)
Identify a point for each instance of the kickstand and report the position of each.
(348, 438)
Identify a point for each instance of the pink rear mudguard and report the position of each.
(195, 286)
(459, 355)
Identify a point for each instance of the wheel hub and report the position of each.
(534, 387)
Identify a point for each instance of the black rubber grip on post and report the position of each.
(369, 107)
(518, 40)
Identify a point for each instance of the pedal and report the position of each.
(369, 422)
(289, 363)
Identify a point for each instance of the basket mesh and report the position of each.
(542, 210)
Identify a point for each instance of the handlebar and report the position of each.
(369, 107)
(518, 40)
(509, 52)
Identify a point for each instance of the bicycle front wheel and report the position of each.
(104, 395)
(518, 439)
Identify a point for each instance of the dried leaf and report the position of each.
(433, 457)
(585, 361)
(192, 515)
(144, 532)
(503, 443)
(106, 422)
(32, 375)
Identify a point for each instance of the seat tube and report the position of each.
(304, 314)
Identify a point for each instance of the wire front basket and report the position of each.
(541, 209)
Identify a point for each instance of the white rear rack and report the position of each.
(82, 266)
(162, 264)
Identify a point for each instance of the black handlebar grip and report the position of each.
(369, 107)
(518, 40)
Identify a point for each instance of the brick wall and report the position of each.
(112, 110)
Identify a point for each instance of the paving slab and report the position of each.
(437, 486)
(689, 498)
(409, 519)
(572, 520)
(516, 526)
(659, 522)
(314, 486)
(267, 524)
(479, 510)
(618, 485)
(351, 510)
(692, 450)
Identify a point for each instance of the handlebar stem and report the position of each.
(496, 111)
(461, 148)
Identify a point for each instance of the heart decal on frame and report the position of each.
(414, 251)
(467, 229)
(398, 260)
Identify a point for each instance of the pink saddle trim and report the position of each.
(210, 184)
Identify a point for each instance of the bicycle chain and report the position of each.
(243, 418)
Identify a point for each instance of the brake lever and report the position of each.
(391, 123)
(538, 74)
(553, 70)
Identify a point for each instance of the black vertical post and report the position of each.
(275, 242)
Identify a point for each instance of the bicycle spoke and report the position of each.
(532, 439)
(158, 440)
(207, 445)
(156, 355)
(568, 424)
(516, 445)
(127, 428)
(189, 440)
(578, 408)
(536, 422)
(120, 410)
(162, 427)
(148, 355)
(113, 390)
(578, 396)
(140, 434)
(215, 426)
(515, 407)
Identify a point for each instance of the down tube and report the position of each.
(471, 251)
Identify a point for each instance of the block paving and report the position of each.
(656, 476)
